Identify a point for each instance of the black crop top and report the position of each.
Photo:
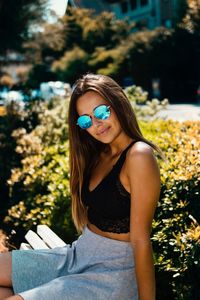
(108, 205)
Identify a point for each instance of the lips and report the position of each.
(103, 131)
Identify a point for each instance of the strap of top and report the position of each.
(122, 157)
(117, 166)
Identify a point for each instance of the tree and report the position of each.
(47, 44)
(191, 19)
(16, 17)
(66, 67)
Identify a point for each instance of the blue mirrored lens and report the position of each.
(102, 112)
(84, 122)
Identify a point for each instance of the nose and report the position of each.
(96, 122)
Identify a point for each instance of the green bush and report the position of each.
(143, 107)
(39, 188)
(44, 192)
(176, 230)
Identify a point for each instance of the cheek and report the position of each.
(91, 131)
(114, 120)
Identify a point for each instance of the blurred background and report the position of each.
(152, 49)
(151, 43)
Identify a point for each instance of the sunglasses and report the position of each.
(101, 112)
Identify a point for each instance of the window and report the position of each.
(133, 4)
(124, 7)
(144, 2)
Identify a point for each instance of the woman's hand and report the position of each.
(15, 297)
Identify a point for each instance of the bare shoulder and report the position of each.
(141, 155)
(140, 148)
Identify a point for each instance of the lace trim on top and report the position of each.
(121, 225)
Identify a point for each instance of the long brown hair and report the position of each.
(83, 148)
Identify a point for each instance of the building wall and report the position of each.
(148, 13)
(168, 10)
(97, 5)
(133, 10)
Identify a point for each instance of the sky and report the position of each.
(59, 6)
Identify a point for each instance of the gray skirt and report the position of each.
(91, 268)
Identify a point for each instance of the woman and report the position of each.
(115, 186)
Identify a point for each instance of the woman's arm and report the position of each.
(144, 179)
(144, 270)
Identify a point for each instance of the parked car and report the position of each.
(51, 89)
(35, 94)
(3, 96)
(15, 96)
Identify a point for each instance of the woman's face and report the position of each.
(104, 131)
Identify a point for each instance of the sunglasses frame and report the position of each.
(107, 106)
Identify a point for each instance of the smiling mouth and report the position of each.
(104, 131)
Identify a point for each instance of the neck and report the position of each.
(115, 151)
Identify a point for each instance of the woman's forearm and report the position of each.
(145, 271)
